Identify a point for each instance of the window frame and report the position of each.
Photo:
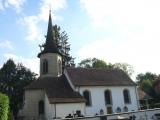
(89, 100)
(126, 96)
(110, 98)
(45, 66)
(41, 109)
(59, 67)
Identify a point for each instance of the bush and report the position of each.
(4, 107)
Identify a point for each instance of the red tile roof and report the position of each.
(99, 77)
(57, 89)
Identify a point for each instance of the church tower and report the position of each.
(50, 57)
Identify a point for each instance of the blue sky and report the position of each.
(123, 31)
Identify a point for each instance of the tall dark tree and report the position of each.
(61, 39)
(13, 79)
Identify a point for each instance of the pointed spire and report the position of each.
(49, 31)
(50, 45)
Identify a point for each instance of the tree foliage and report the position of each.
(13, 79)
(146, 82)
(97, 63)
(92, 63)
(147, 76)
(4, 107)
(125, 67)
(63, 45)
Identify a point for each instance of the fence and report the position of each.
(149, 114)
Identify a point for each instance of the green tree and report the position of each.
(146, 81)
(147, 87)
(13, 79)
(4, 107)
(97, 63)
(147, 76)
(92, 63)
(125, 67)
(63, 45)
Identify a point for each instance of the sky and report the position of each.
(125, 31)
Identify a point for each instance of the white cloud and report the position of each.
(135, 32)
(1, 5)
(31, 63)
(125, 16)
(17, 4)
(142, 56)
(6, 44)
(55, 6)
(34, 33)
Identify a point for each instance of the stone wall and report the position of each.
(53, 66)
(32, 98)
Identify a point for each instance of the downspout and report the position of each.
(137, 98)
(55, 113)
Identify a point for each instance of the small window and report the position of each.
(126, 96)
(108, 98)
(45, 66)
(87, 96)
(59, 67)
(41, 107)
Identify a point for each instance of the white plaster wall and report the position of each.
(62, 110)
(98, 101)
(49, 110)
(32, 97)
(52, 59)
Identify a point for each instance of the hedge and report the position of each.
(4, 107)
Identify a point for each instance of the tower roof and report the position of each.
(50, 44)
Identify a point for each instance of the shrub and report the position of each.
(4, 107)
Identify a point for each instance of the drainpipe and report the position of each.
(55, 111)
(137, 98)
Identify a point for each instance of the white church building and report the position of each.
(73, 91)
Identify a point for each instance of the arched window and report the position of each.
(87, 96)
(41, 107)
(126, 96)
(45, 66)
(59, 67)
(108, 97)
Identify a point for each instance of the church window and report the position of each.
(59, 67)
(108, 97)
(126, 96)
(87, 96)
(45, 66)
(41, 107)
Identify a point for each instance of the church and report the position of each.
(69, 92)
